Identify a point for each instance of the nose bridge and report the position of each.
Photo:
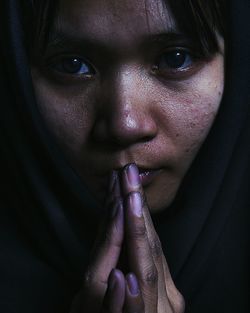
(125, 115)
(129, 117)
(127, 100)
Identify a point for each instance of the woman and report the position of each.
(92, 88)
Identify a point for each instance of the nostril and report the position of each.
(123, 132)
(125, 120)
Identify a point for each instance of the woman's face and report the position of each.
(119, 84)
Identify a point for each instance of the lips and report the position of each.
(147, 175)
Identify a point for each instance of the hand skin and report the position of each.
(148, 287)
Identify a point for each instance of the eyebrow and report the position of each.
(64, 40)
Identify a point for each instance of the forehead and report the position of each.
(112, 19)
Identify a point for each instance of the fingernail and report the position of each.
(132, 175)
(133, 284)
(136, 204)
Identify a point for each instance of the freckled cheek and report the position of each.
(188, 119)
(197, 121)
(199, 104)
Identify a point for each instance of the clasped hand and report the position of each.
(148, 287)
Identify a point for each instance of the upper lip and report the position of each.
(143, 170)
(102, 170)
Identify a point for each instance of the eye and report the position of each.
(175, 60)
(74, 66)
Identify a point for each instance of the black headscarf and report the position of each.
(44, 232)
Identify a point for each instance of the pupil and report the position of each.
(175, 59)
(72, 65)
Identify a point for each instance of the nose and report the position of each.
(126, 111)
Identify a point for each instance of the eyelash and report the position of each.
(168, 57)
(85, 70)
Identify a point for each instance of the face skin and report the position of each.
(125, 103)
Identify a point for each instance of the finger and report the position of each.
(115, 294)
(133, 297)
(114, 190)
(139, 253)
(112, 200)
(106, 254)
(131, 182)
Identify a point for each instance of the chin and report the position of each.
(160, 201)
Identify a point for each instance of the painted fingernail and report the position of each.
(113, 279)
(133, 284)
(136, 203)
(132, 175)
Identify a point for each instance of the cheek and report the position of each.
(197, 117)
(68, 117)
(187, 115)
(202, 108)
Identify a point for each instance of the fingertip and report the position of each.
(115, 294)
(132, 284)
(115, 276)
(133, 300)
(130, 178)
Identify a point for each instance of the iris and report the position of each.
(75, 66)
(176, 60)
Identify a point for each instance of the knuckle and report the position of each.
(150, 277)
(139, 232)
(156, 248)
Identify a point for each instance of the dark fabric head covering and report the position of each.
(44, 244)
